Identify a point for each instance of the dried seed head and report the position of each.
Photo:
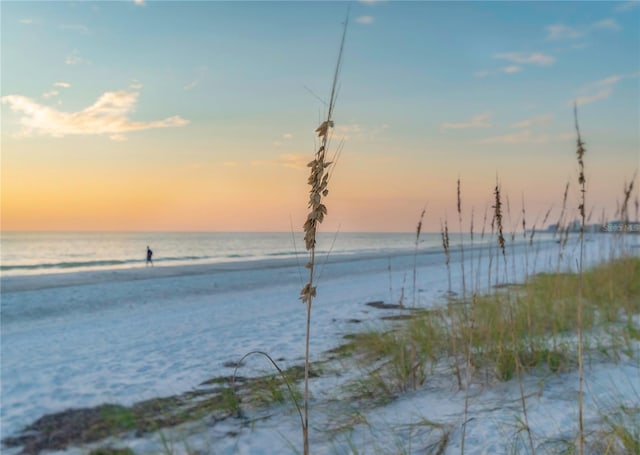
(497, 216)
(580, 151)
(459, 199)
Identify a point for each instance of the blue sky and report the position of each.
(214, 104)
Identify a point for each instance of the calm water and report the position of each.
(38, 252)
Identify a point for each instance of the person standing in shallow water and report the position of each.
(149, 256)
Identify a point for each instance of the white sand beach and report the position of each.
(82, 339)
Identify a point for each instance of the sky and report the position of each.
(200, 115)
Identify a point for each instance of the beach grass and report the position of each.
(531, 326)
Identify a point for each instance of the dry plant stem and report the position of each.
(459, 207)
(412, 354)
(318, 180)
(625, 203)
(277, 367)
(559, 227)
(464, 301)
(524, 236)
(468, 384)
(497, 216)
(469, 346)
(580, 150)
(471, 233)
(498, 220)
(390, 278)
(447, 253)
(415, 253)
(479, 268)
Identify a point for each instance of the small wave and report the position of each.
(66, 265)
(181, 258)
(93, 264)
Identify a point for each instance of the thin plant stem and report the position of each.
(318, 180)
(580, 151)
(415, 253)
(499, 222)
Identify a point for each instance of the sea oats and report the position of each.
(318, 181)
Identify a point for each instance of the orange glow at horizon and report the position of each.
(64, 189)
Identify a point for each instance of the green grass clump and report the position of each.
(118, 418)
(111, 451)
(620, 433)
(535, 324)
(527, 327)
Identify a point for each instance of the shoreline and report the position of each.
(32, 282)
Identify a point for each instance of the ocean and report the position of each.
(29, 253)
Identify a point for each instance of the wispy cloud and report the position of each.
(524, 58)
(139, 2)
(53, 92)
(511, 69)
(365, 20)
(74, 58)
(50, 94)
(600, 89)
(200, 73)
(608, 81)
(538, 120)
(588, 99)
(369, 2)
(76, 28)
(289, 160)
(191, 85)
(561, 31)
(349, 130)
(109, 115)
(524, 137)
(285, 136)
(607, 24)
(27, 21)
(135, 85)
(359, 132)
(294, 160)
(557, 32)
(477, 121)
(626, 6)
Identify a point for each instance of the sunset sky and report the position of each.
(199, 116)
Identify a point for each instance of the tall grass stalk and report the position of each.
(482, 234)
(497, 221)
(471, 234)
(580, 151)
(512, 323)
(318, 180)
(444, 231)
(625, 203)
(415, 253)
(459, 208)
(468, 321)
